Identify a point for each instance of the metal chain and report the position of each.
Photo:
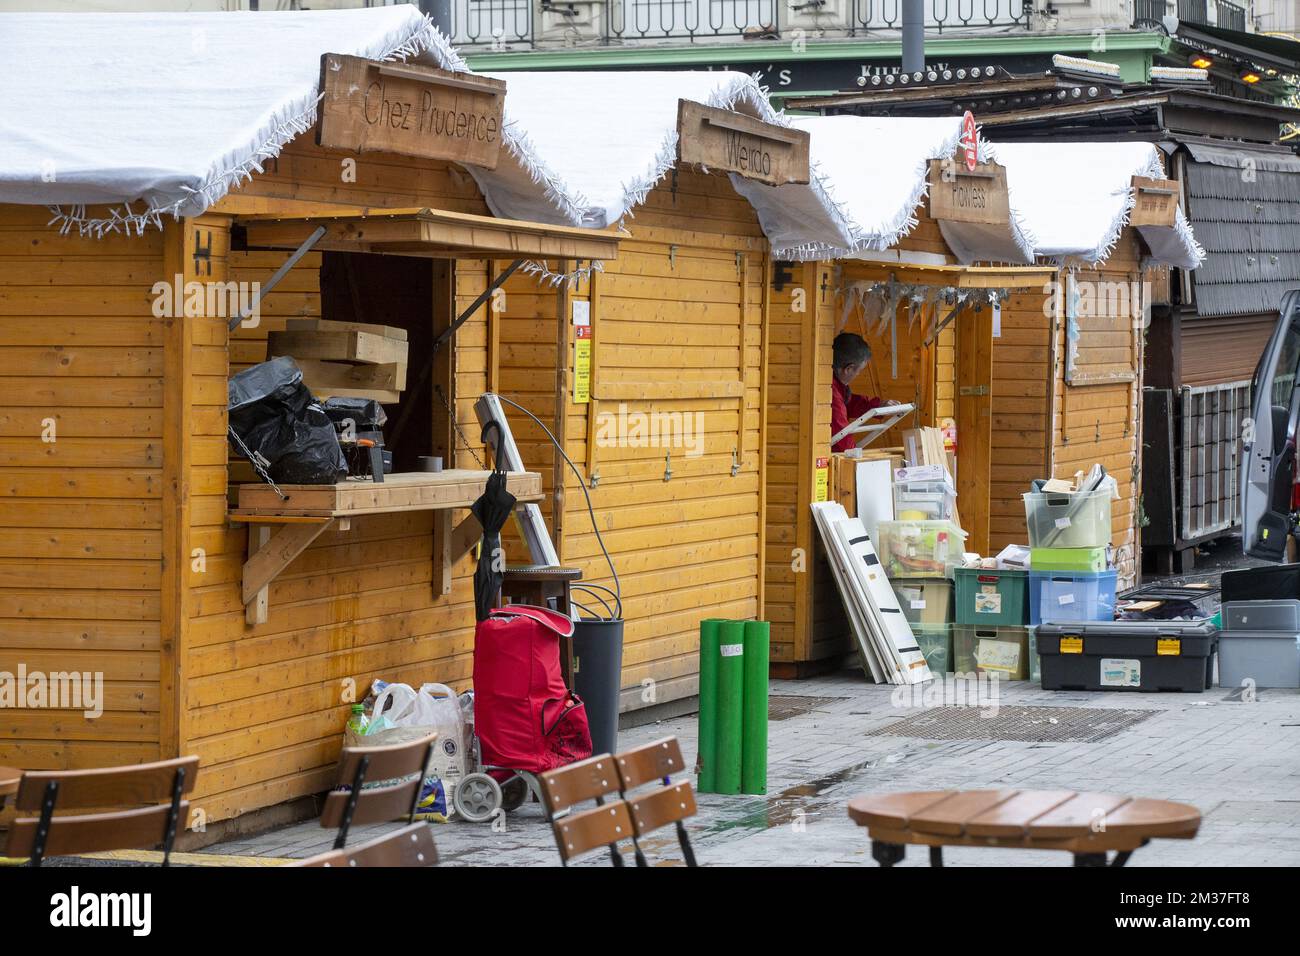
(256, 461)
(451, 413)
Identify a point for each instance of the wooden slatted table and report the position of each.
(1089, 825)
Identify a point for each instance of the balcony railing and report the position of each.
(502, 24)
(940, 15)
(515, 24)
(1149, 11)
(1231, 16)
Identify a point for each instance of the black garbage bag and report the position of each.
(281, 427)
(366, 414)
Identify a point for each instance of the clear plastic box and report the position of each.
(927, 500)
(924, 601)
(1078, 520)
(998, 651)
(919, 549)
(935, 642)
(1064, 596)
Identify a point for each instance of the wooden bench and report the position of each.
(665, 804)
(143, 787)
(1089, 825)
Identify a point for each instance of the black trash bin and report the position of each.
(598, 677)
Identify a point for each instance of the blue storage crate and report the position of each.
(1057, 596)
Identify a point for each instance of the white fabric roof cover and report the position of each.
(1076, 198)
(876, 169)
(169, 111)
(608, 138)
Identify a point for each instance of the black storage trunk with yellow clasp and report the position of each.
(1128, 655)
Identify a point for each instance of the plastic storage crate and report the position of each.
(1127, 655)
(992, 598)
(936, 644)
(1079, 520)
(1062, 596)
(1163, 602)
(999, 651)
(1262, 615)
(1261, 584)
(926, 602)
(919, 549)
(1067, 559)
(1264, 658)
(929, 500)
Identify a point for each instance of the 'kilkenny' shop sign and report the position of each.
(408, 109)
(721, 139)
(978, 195)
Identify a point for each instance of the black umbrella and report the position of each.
(491, 509)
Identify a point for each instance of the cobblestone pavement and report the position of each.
(1238, 761)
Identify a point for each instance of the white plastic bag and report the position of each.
(433, 707)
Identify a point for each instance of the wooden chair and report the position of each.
(411, 846)
(669, 803)
(578, 831)
(401, 765)
(141, 827)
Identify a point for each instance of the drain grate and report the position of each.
(1067, 725)
(784, 706)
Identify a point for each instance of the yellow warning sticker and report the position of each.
(582, 365)
(1169, 646)
(822, 486)
(1071, 645)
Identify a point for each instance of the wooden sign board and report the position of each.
(721, 139)
(369, 105)
(978, 195)
(1155, 202)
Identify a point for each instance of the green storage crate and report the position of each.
(926, 602)
(1067, 559)
(936, 644)
(1000, 651)
(992, 598)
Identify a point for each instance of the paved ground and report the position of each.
(1238, 761)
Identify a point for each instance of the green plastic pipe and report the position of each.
(753, 759)
(706, 750)
(731, 696)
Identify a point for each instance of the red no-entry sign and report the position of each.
(968, 141)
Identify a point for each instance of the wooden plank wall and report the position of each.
(668, 318)
(1021, 412)
(81, 517)
(266, 705)
(798, 434)
(1102, 422)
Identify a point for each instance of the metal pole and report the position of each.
(913, 36)
(439, 12)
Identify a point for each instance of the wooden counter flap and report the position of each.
(413, 491)
(432, 233)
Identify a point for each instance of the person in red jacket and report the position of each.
(851, 355)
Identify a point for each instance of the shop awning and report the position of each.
(434, 234)
(954, 276)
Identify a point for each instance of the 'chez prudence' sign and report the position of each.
(410, 110)
(721, 139)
